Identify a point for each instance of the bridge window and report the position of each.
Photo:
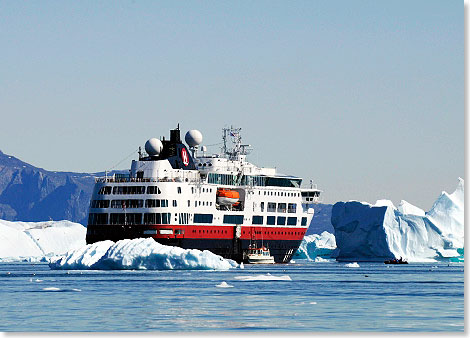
(281, 207)
(292, 208)
(281, 220)
(271, 220)
(304, 221)
(271, 207)
(257, 219)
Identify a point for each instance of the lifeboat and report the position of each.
(227, 196)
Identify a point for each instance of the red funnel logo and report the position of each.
(184, 156)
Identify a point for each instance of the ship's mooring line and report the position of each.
(133, 152)
(211, 145)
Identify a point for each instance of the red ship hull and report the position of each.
(221, 240)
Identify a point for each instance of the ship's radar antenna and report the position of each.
(238, 151)
(193, 139)
(153, 147)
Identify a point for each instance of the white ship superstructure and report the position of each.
(184, 197)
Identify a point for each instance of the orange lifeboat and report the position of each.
(227, 196)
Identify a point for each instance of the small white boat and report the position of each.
(259, 256)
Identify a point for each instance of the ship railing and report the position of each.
(170, 178)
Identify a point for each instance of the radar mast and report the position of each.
(238, 151)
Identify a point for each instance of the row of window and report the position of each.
(281, 207)
(213, 178)
(100, 203)
(157, 218)
(193, 190)
(262, 181)
(257, 220)
(265, 181)
(280, 193)
(157, 203)
(131, 203)
(127, 204)
(165, 218)
(222, 179)
(132, 190)
(129, 218)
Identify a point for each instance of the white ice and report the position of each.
(51, 289)
(36, 241)
(140, 253)
(224, 285)
(314, 246)
(366, 232)
(352, 265)
(267, 277)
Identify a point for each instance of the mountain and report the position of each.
(28, 193)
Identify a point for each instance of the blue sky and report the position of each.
(364, 97)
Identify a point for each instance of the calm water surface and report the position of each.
(320, 297)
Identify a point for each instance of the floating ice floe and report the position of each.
(379, 232)
(224, 285)
(38, 241)
(51, 289)
(352, 265)
(54, 289)
(139, 254)
(267, 277)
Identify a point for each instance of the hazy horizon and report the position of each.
(366, 98)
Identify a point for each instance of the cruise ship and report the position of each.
(182, 196)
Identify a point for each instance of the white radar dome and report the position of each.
(153, 146)
(193, 138)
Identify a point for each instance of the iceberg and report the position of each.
(313, 246)
(38, 241)
(379, 232)
(139, 254)
(352, 265)
(224, 285)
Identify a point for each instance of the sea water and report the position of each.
(325, 296)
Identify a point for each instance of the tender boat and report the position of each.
(259, 255)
